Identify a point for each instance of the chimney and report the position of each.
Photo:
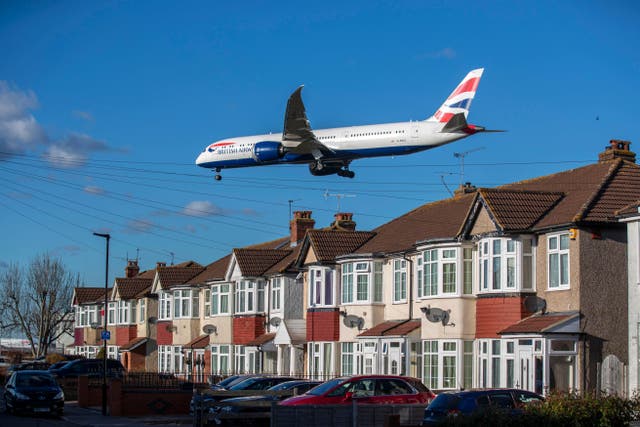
(465, 188)
(299, 225)
(344, 221)
(161, 264)
(617, 149)
(132, 269)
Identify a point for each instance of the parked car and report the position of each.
(374, 389)
(234, 409)
(91, 367)
(34, 391)
(229, 381)
(249, 384)
(57, 366)
(31, 365)
(465, 403)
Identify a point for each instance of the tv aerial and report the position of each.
(461, 156)
(337, 196)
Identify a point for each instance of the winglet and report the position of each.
(460, 99)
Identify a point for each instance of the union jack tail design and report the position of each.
(460, 99)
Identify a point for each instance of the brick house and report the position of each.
(88, 303)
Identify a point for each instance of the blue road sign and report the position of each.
(106, 335)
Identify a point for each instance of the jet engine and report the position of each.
(267, 151)
(322, 169)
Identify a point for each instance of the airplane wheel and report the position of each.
(218, 177)
(350, 174)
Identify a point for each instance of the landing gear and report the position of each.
(218, 177)
(346, 173)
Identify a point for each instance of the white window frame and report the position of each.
(399, 281)
(563, 257)
(275, 299)
(361, 282)
(249, 296)
(207, 302)
(430, 271)
(322, 287)
(124, 312)
(165, 305)
(220, 353)
(508, 254)
(347, 358)
(142, 310)
(186, 303)
(221, 299)
(321, 360)
(112, 313)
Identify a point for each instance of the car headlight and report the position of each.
(21, 396)
(59, 396)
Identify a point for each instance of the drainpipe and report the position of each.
(407, 344)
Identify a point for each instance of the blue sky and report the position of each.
(105, 105)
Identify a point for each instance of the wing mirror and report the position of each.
(348, 395)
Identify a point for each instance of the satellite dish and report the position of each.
(437, 315)
(535, 304)
(275, 321)
(209, 329)
(351, 321)
(152, 320)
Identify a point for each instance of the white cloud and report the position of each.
(83, 115)
(137, 226)
(92, 189)
(19, 130)
(201, 208)
(74, 150)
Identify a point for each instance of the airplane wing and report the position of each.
(298, 129)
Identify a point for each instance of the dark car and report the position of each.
(249, 384)
(235, 409)
(33, 391)
(57, 366)
(90, 367)
(230, 381)
(32, 365)
(372, 389)
(465, 403)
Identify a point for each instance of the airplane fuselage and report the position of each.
(347, 143)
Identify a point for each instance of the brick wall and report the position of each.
(247, 328)
(78, 336)
(124, 334)
(494, 314)
(323, 325)
(165, 335)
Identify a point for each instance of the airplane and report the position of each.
(331, 151)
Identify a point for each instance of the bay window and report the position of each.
(444, 271)
(505, 264)
(321, 287)
(399, 280)
(249, 296)
(186, 303)
(361, 283)
(123, 313)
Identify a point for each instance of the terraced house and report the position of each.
(523, 285)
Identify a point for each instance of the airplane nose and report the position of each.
(199, 159)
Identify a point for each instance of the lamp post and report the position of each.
(106, 304)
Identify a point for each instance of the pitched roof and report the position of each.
(212, 272)
(132, 287)
(539, 323)
(328, 244)
(285, 263)
(254, 262)
(89, 295)
(592, 193)
(200, 342)
(176, 275)
(518, 209)
(392, 328)
(441, 219)
(262, 339)
(133, 344)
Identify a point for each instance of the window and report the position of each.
(467, 270)
(430, 359)
(467, 362)
(495, 363)
(347, 358)
(321, 359)
(276, 293)
(220, 295)
(186, 303)
(399, 280)
(449, 271)
(207, 302)
(437, 272)
(164, 309)
(112, 313)
(86, 315)
(321, 289)
(170, 359)
(220, 357)
(527, 264)
(142, 310)
(249, 296)
(449, 361)
(510, 363)
(558, 266)
(430, 273)
(505, 264)
(123, 312)
(112, 352)
(360, 284)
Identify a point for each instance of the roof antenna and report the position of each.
(172, 256)
(337, 196)
(291, 204)
(461, 156)
(137, 254)
(444, 183)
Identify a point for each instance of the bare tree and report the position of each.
(37, 303)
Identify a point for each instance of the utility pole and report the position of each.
(104, 330)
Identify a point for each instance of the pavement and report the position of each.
(74, 414)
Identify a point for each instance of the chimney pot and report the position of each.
(299, 225)
(161, 264)
(617, 149)
(132, 269)
(344, 221)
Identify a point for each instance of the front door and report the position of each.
(394, 358)
(198, 368)
(527, 370)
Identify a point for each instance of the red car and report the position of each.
(374, 389)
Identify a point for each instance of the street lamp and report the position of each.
(104, 330)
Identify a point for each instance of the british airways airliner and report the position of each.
(331, 151)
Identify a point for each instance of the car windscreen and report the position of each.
(35, 380)
(243, 385)
(325, 387)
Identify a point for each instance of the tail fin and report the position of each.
(460, 99)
